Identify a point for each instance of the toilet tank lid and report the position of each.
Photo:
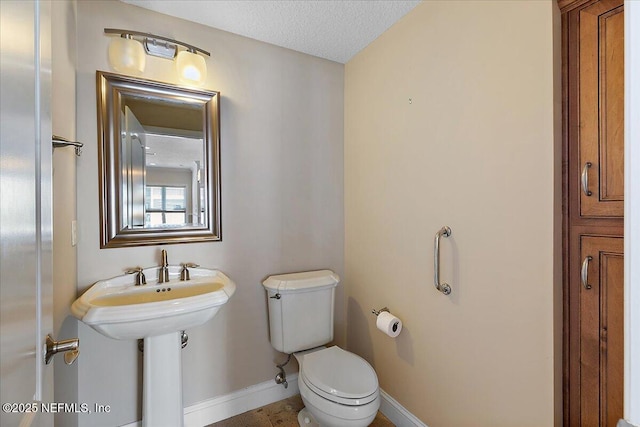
(303, 280)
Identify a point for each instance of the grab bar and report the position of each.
(444, 288)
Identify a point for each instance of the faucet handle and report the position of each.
(140, 278)
(184, 273)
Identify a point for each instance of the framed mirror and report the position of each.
(159, 157)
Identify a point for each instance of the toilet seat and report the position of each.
(328, 413)
(340, 376)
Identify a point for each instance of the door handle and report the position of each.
(70, 348)
(584, 275)
(585, 179)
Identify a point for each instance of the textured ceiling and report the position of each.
(331, 29)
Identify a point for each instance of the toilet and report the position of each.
(338, 388)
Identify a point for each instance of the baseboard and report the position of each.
(238, 402)
(397, 413)
(235, 403)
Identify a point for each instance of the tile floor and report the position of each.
(281, 414)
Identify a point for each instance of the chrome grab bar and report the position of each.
(584, 274)
(444, 288)
(585, 179)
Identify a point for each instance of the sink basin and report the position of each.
(118, 309)
(156, 312)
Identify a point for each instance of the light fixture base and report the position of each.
(159, 48)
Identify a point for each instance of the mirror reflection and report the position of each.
(164, 166)
(161, 166)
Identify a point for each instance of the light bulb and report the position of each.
(126, 55)
(191, 68)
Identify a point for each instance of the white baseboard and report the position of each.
(397, 413)
(238, 402)
(235, 403)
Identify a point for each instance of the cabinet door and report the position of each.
(601, 109)
(601, 331)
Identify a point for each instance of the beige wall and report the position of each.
(450, 120)
(63, 118)
(282, 202)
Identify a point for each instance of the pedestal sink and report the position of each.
(157, 313)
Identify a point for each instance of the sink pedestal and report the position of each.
(162, 381)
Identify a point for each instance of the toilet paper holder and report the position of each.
(377, 312)
(389, 324)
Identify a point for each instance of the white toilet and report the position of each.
(339, 388)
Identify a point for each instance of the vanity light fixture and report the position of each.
(127, 54)
(191, 67)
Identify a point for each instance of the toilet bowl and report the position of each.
(338, 388)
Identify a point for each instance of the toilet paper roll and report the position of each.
(389, 324)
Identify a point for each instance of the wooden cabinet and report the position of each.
(593, 194)
(601, 108)
(601, 331)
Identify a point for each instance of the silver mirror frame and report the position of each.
(110, 88)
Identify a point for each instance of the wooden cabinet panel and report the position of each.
(601, 108)
(593, 135)
(601, 331)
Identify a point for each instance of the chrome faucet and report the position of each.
(163, 274)
(184, 273)
(139, 272)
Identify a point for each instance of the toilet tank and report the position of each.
(301, 309)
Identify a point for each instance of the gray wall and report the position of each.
(282, 202)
